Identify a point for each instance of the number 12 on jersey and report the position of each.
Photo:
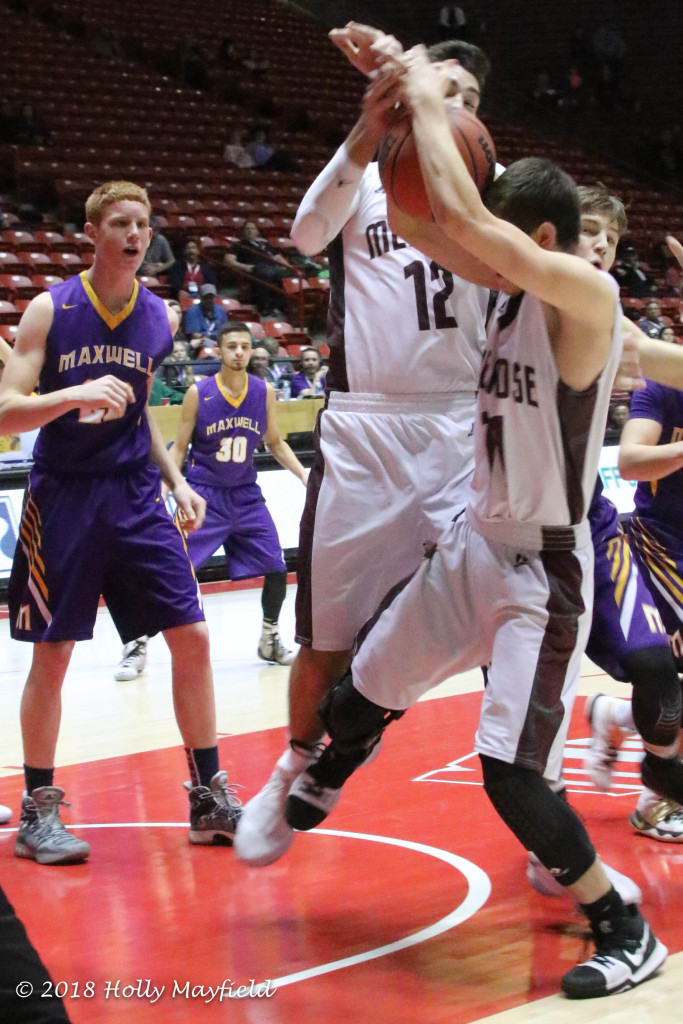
(442, 319)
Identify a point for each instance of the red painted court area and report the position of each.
(418, 849)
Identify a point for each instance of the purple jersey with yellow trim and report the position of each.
(227, 433)
(660, 499)
(87, 342)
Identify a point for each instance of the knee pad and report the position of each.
(543, 822)
(352, 720)
(657, 702)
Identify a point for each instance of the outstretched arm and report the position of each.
(333, 197)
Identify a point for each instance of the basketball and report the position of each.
(399, 164)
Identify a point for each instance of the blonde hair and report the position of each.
(113, 192)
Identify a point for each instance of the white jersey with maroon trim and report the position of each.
(537, 442)
(399, 323)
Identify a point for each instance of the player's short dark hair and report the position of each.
(233, 327)
(597, 198)
(535, 190)
(472, 58)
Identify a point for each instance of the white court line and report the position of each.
(478, 891)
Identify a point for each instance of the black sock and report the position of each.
(37, 777)
(604, 912)
(203, 763)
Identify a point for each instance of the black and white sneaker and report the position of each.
(625, 957)
(316, 791)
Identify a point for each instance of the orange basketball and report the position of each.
(399, 164)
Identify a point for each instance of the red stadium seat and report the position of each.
(46, 280)
(8, 332)
(256, 330)
(277, 328)
(8, 313)
(324, 350)
(17, 286)
(10, 263)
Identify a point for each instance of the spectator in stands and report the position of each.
(618, 414)
(236, 153)
(309, 382)
(629, 274)
(203, 320)
(254, 255)
(259, 364)
(668, 334)
(188, 274)
(159, 257)
(652, 323)
(265, 155)
(176, 369)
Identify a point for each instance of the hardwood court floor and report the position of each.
(410, 906)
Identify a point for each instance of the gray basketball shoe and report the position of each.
(214, 812)
(41, 835)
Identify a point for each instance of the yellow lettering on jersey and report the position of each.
(84, 357)
(129, 357)
(654, 619)
(24, 618)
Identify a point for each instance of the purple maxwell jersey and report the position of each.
(227, 433)
(87, 342)
(660, 499)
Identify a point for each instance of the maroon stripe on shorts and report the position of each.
(304, 595)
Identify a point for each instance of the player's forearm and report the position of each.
(283, 454)
(650, 462)
(661, 361)
(330, 200)
(20, 413)
(452, 193)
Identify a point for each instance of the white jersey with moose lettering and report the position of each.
(537, 442)
(398, 323)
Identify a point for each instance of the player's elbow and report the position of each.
(308, 233)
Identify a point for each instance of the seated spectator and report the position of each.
(259, 364)
(255, 255)
(310, 381)
(618, 414)
(203, 319)
(668, 334)
(176, 369)
(652, 323)
(235, 153)
(188, 274)
(265, 155)
(630, 276)
(159, 257)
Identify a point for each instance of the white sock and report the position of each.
(622, 713)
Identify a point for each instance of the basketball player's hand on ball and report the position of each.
(191, 505)
(365, 47)
(416, 77)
